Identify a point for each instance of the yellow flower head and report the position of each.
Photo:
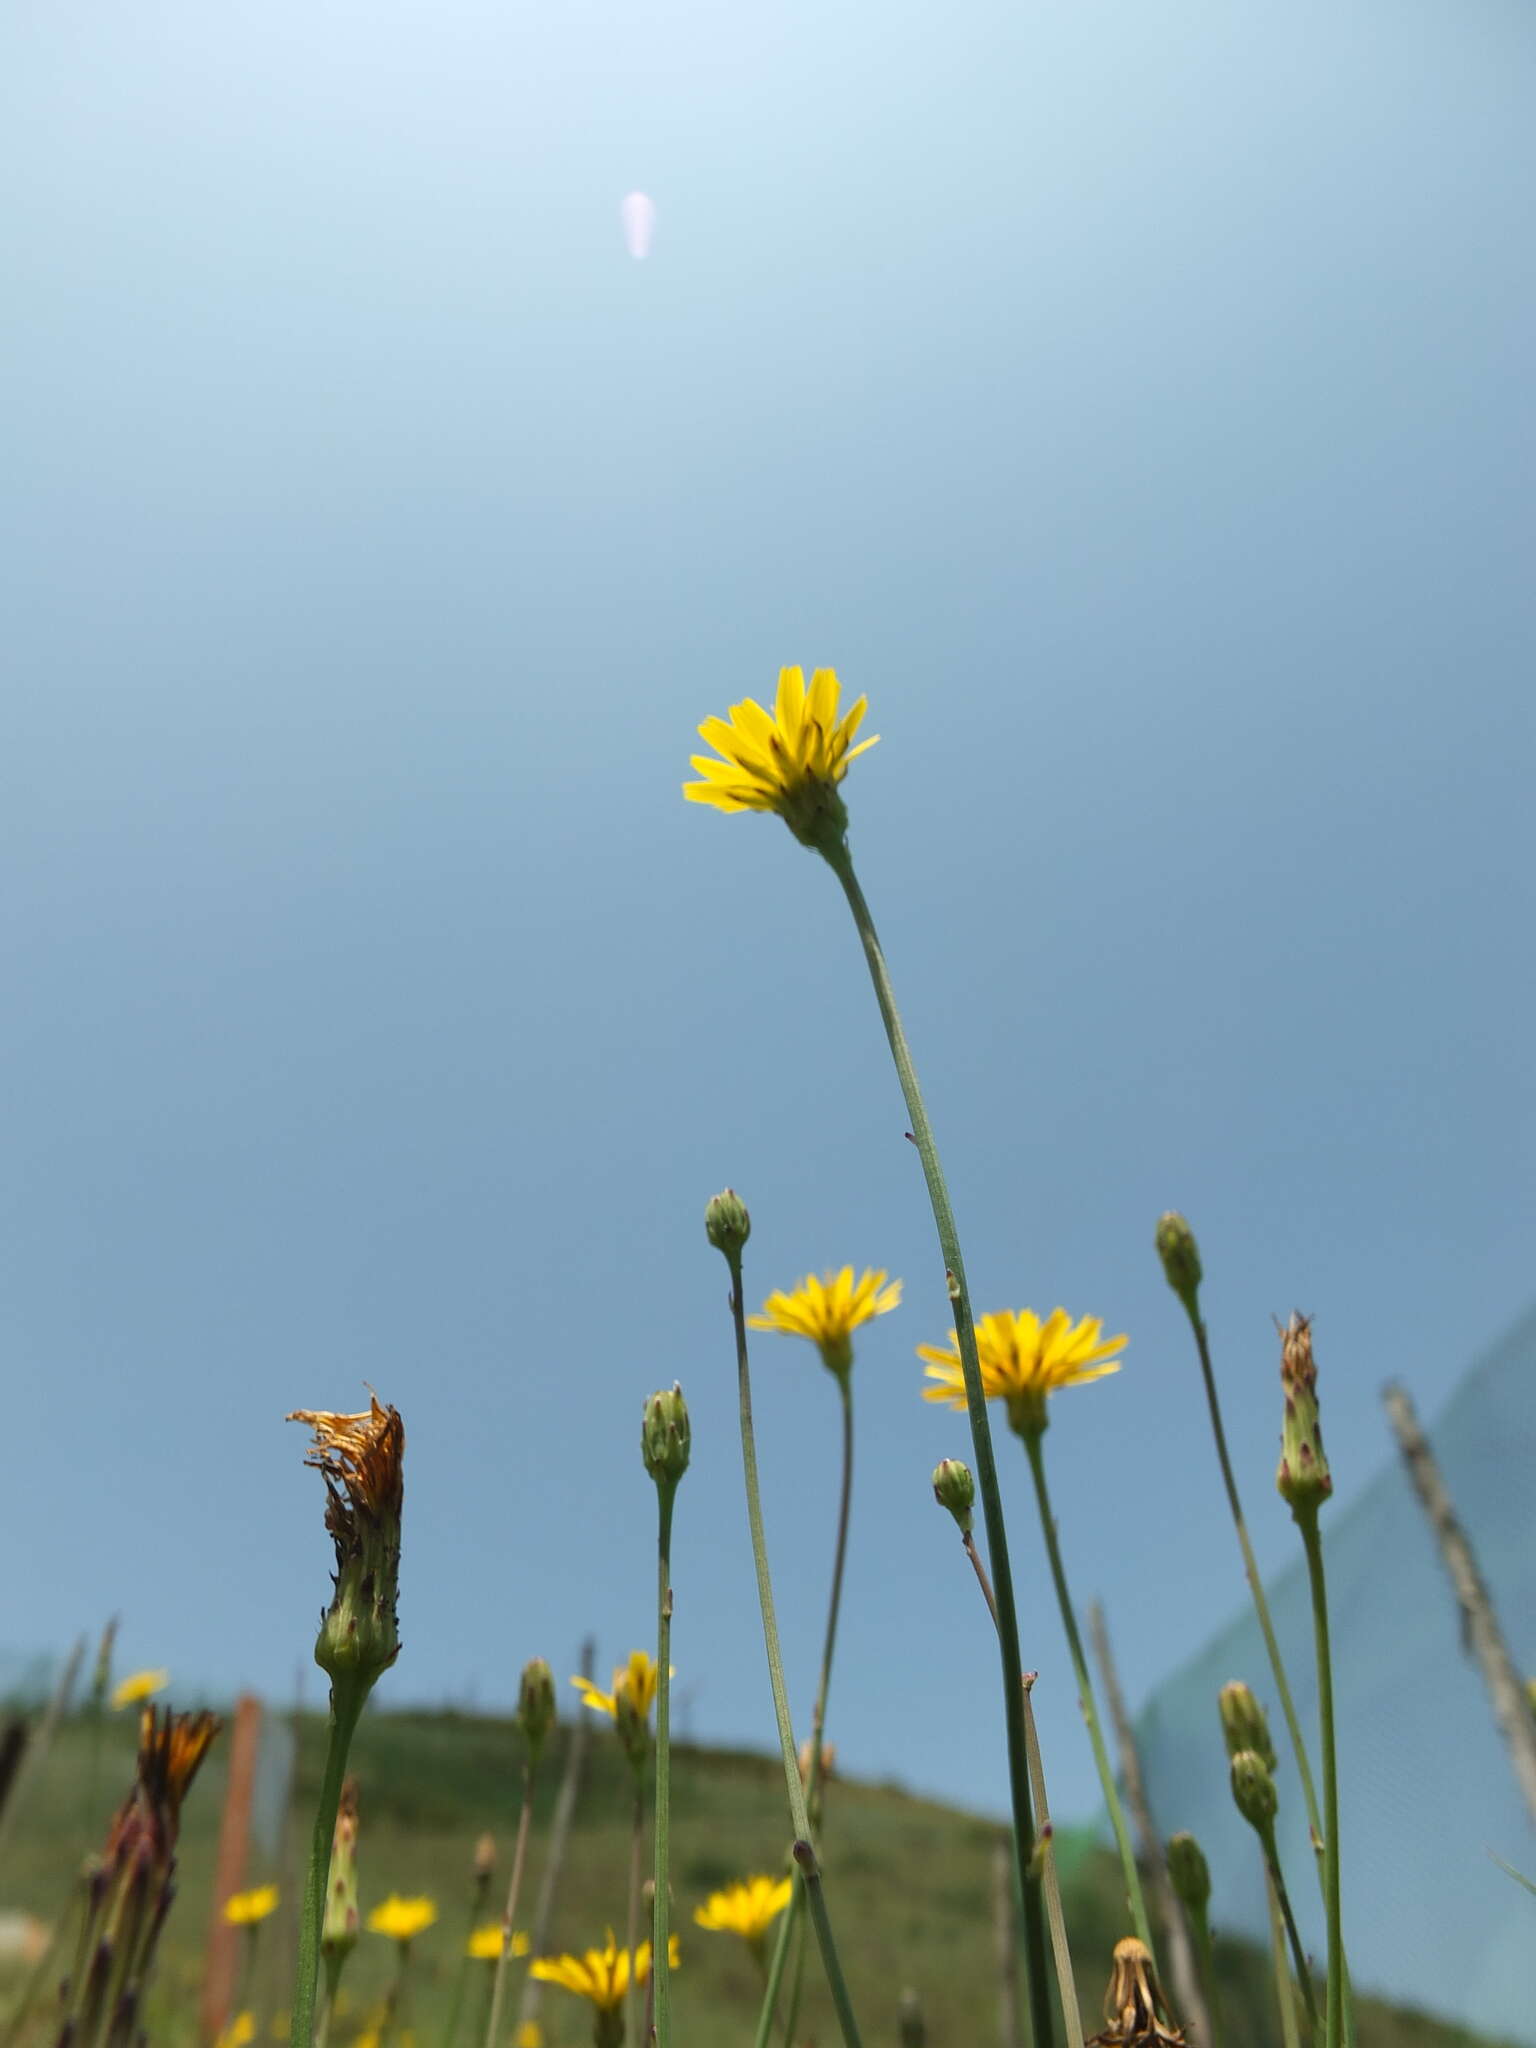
(485, 1943)
(239, 2032)
(789, 761)
(602, 1974)
(746, 1909)
(530, 2035)
(829, 1310)
(1023, 1360)
(402, 1919)
(245, 1909)
(634, 1684)
(139, 1686)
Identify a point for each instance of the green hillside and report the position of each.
(909, 1884)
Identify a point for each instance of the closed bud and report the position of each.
(665, 1438)
(485, 1858)
(535, 1705)
(1244, 1724)
(341, 1925)
(1189, 1874)
(1303, 1479)
(1180, 1255)
(727, 1224)
(1253, 1791)
(955, 1489)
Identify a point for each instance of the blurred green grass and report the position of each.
(909, 1884)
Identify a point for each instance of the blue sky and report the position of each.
(1136, 406)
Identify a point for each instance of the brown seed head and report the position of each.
(1134, 2004)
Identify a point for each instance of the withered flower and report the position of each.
(132, 1885)
(360, 1457)
(1134, 2004)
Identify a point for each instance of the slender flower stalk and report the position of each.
(1304, 1482)
(666, 1444)
(728, 1226)
(1181, 1263)
(1066, 1982)
(535, 1717)
(1253, 1793)
(1190, 1876)
(827, 1311)
(1085, 1694)
(1285, 1991)
(792, 762)
(841, 863)
(482, 1870)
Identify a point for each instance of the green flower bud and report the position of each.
(665, 1438)
(1253, 1791)
(955, 1489)
(1180, 1255)
(727, 1224)
(1244, 1724)
(535, 1705)
(339, 1931)
(1189, 1874)
(1303, 1479)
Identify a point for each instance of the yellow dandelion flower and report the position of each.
(828, 1311)
(790, 760)
(1023, 1361)
(635, 1682)
(748, 1909)
(402, 1919)
(139, 1686)
(530, 2035)
(602, 1974)
(240, 2031)
(485, 1943)
(246, 1909)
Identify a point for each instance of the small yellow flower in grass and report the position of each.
(790, 760)
(1023, 1361)
(485, 1943)
(239, 2032)
(246, 1909)
(748, 1909)
(635, 1681)
(530, 2035)
(139, 1686)
(402, 1919)
(828, 1311)
(602, 1974)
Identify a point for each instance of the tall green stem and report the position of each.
(1085, 1695)
(632, 1937)
(790, 1923)
(661, 1962)
(805, 1854)
(841, 863)
(347, 1700)
(1251, 1571)
(1282, 1898)
(1290, 2033)
(509, 1913)
(1333, 1898)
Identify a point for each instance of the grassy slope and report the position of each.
(908, 1884)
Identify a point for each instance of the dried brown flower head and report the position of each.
(360, 1458)
(1134, 2004)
